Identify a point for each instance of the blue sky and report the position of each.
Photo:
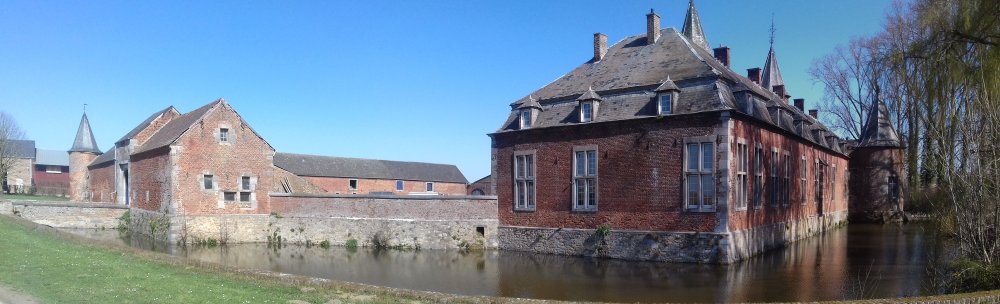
(409, 80)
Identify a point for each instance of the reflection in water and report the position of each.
(828, 267)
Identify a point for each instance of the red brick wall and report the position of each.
(102, 183)
(754, 133)
(51, 183)
(639, 174)
(869, 181)
(149, 180)
(200, 152)
(154, 126)
(365, 186)
(481, 185)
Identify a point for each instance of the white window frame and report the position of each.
(586, 179)
(817, 185)
(429, 186)
(833, 182)
(672, 102)
(584, 105)
(525, 118)
(758, 176)
(352, 188)
(786, 191)
(208, 182)
(224, 134)
(774, 187)
(707, 198)
(525, 177)
(742, 184)
(892, 185)
(399, 185)
(803, 181)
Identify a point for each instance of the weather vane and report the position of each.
(772, 30)
(84, 108)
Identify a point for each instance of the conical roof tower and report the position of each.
(85, 141)
(692, 27)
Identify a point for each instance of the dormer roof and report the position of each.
(589, 95)
(667, 85)
(527, 103)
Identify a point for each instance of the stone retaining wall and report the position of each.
(688, 247)
(66, 215)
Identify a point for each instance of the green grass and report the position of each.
(57, 270)
(22, 197)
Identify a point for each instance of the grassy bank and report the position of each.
(57, 269)
(30, 197)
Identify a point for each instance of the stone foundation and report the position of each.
(686, 247)
(66, 215)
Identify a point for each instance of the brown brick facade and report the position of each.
(342, 185)
(78, 171)
(149, 180)
(485, 185)
(874, 198)
(102, 183)
(639, 174)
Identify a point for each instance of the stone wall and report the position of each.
(66, 215)
(687, 247)
(385, 207)
(341, 185)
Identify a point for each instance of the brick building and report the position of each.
(344, 175)
(878, 170)
(482, 186)
(51, 173)
(656, 150)
(18, 177)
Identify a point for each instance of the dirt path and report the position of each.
(9, 296)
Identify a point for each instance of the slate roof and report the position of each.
(692, 27)
(878, 130)
(481, 179)
(772, 75)
(145, 123)
(51, 157)
(175, 128)
(21, 148)
(84, 141)
(330, 166)
(107, 156)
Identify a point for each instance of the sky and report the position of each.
(409, 80)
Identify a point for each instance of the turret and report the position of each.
(83, 152)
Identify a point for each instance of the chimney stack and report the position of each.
(600, 46)
(801, 104)
(814, 113)
(754, 75)
(652, 27)
(722, 54)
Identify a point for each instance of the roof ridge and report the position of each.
(359, 158)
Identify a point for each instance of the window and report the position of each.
(585, 180)
(430, 187)
(758, 177)
(818, 182)
(774, 187)
(699, 177)
(525, 119)
(399, 185)
(741, 174)
(893, 184)
(244, 196)
(586, 111)
(352, 184)
(208, 182)
(223, 135)
(478, 192)
(53, 169)
(245, 183)
(524, 181)
(833, 183)
(229, 196)
(802, 181)
(665, 105)
(786, 184)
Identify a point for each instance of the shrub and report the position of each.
(603, 230)
(350, 244)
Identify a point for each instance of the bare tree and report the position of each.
(9, 131)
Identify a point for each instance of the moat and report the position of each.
(859, 261)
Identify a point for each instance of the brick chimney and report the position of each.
(652, 27)
(722, 54)
(754, 75)
(600, 46)
(801, 104)
(814, 113)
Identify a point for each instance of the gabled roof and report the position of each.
(772, 75)
(145, 123)
(51, 157)
(878, 130)
(667, 85)
(21, 148)
(529, 102)
(589, 95)
(84, 141)
(481, 179)
(106, 157)
(175, 128)
(344, 167)
(692, 27)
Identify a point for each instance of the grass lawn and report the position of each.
(22, 197)
(54, 269)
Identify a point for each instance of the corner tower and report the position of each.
(878, 170)
(83, 152)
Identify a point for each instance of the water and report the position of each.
(858, 261)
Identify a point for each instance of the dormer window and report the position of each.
(586, 111)
(666, 97)
(666, 104)
(525, 118)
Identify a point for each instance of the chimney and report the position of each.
(722, 54)
(780, 91)
(754, 75)
(600, 46)
(652, 27)
(814, 113)
(801, 104)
